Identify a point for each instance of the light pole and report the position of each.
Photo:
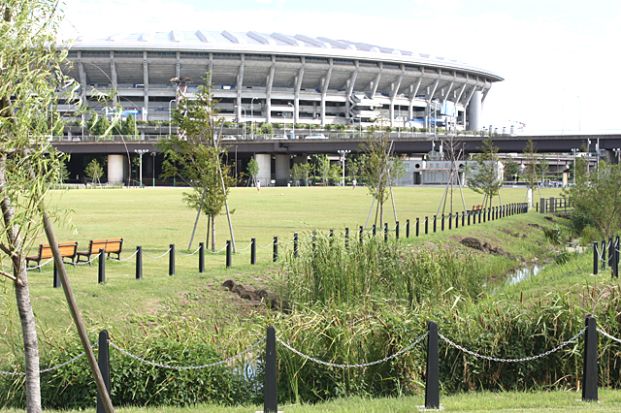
(140, 152)
(170, 117)
(153, 171)
(343, 153)
(252, 125)
(292, 118)
(574, 151)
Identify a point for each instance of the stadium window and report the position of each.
(95, 53)
(288, 59)
(125, 53)
(320, 60)
(258, 57)
(194, 55)
(343, 62)
(162, 54)
(227, 56)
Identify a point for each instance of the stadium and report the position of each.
(280, 78)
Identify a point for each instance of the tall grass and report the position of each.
(329, 273)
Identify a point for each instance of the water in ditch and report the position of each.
(523, 273)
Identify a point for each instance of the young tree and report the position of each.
(484, 178)
(596, 198)
(197, 159)
(512, 169)
(94, 171)
(30, 77)
(375, 169)
(253, 170)
(335, 173)
(300, 172)
(322, 168)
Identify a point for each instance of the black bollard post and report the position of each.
(374, 230)
(435, 222)
(275, 251)
(480, 213)
(432, 377)
(450, 221)
(595, 258)
(139, 262)
(229, 257)
(610, 252)
(442, 223)
(468, 217)
(270, 395)
(360, 234)
(295, 245)
(103, 361)
(397, 230)
(253, 251)
(385, 231)
(426, 225)
(331, 234)
(171, 260)
(101, 270)
(417, 229)
(201, 257)
(347, 237)
(56, 279)
(603, 254)
(407, 228)
(589, 367)
(463, 218)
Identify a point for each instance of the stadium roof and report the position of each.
(254, 42)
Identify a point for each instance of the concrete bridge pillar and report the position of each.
(283, 169)
(474, 111)
(265, 168)
(117, 169)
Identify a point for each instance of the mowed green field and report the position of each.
(157, 217)
(532, 402)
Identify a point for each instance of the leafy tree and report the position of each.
(253, 170)
(353, 167)
(512, 170)
(335, 174)
(98, 125)
(596, 198)
(542, 168)
(30, 76)
(376, 171)
(196, 158)
(300, 172)
(530, 171)
(483, 178)
(322, 168)
(94, 171)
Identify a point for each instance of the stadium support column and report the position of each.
(393, 95)
(298, 86)
(117, 169)
(145, 76)
(474, 111)
(240, 86)
(325, 84)
(268, 91)
(283, 169)
(265, 168)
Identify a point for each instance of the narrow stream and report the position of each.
(523, 273)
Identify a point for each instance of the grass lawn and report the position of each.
(156, 217)
(545, 402)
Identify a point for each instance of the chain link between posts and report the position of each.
(356, 365)
(185, 368)
(608, 336)
(40, 265)
(130, 257)
(161, 255)
(49, 369)
(192, 253)
(516, 360)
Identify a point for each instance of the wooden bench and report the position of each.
(109, 246)
(67, 250)
(477, 207)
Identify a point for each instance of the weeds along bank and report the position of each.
(360, 304)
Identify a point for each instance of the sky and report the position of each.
(558, 58)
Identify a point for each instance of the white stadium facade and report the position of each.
(279, 78)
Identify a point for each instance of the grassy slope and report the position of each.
(545, 402)
(156, 217)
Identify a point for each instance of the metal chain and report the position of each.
(185, 368)
(518, 360)
(217, 251)
(605, 334)
(41, 265)
(130, 257)
(160, 256)
(192, 253)
(90, 260)
(356, 365)
(49, 369)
